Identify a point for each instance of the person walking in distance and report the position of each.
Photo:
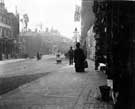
(79, 58)
(38, 56)
(71, 56)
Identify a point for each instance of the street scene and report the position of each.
(49, 86)
(67, 54)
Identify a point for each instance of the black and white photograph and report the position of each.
(67, 54)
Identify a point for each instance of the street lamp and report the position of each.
(76, 35)
(14, 50)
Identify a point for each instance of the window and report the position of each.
(4, 32)
(4, 19)
(0, 32)
(8, 22)
(9, 33)
(0, 18)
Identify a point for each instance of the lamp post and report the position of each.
(14, 48)
(1, 49)
(76, 35)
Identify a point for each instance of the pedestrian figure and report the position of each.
(71, 56)
(58, 57)
(79, 58)
(38, 56)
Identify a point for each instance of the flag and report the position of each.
(77, 13)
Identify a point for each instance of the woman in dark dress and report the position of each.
(71, 56)
(79, 58)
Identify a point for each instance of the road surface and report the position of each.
(16, 73)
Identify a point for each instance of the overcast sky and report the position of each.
(58, 14)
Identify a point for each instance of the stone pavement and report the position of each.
(89, 97)
(63, 89)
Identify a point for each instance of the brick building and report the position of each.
(9, 32)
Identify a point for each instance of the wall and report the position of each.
(87, 20)
(9, 32)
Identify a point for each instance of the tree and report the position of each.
(26, 20)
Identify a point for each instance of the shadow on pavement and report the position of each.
(10, 83)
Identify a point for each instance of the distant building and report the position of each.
(9, 32)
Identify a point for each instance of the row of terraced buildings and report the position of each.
(9, 33)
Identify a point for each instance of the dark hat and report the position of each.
(77, 44)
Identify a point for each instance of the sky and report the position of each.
(58, 14)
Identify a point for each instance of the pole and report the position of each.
(76, 35)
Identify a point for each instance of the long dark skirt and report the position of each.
(79, 67)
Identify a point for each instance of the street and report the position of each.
(46, 85)
(14, 74)
(28, 66)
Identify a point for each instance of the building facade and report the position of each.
(9, 33)
(114, 28)
(115, 39)
(87, 20)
